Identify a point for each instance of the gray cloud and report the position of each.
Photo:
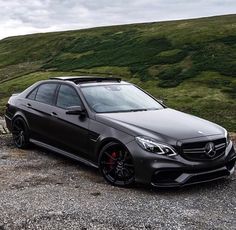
(32, 16)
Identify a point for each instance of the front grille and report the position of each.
(195, 151)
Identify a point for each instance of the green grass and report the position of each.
(190, 63)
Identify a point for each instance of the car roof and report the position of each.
(87, 79)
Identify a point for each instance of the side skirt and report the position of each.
(62, 152)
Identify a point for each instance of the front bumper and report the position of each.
(178, 178)
(162, 171)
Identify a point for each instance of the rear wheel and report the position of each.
(116, 165)
(20, 133)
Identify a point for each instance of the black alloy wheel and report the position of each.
(20, 133)
(116, 165)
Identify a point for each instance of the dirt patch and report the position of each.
(3, 128)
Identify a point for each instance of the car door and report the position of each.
(70, 131)
(39, 111)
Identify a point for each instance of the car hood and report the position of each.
(166, 122)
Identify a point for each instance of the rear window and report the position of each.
(46, 93)
(32, 95)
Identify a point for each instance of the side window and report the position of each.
(67, 97)
(46, 93)
(32, 95)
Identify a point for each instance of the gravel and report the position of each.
(42, 190)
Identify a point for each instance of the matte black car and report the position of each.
(125, 132)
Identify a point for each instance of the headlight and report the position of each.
(152, 146)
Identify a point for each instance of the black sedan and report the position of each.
(120, 129)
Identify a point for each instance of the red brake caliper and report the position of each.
(111, 161)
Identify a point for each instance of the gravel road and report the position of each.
(42, 190)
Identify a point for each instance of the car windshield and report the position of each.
(118, 98)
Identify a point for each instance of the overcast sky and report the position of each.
(32, 16)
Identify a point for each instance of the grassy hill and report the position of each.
(189, 63)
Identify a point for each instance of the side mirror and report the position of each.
(75, 110)
(160, 101)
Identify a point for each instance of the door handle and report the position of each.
(29, 105)
(53, 114)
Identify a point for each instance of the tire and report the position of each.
(20, 133)
(116, 165)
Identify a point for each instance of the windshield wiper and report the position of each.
(151, 109)
(136, 110)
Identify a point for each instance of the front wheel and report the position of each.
(116, 165)
(20, 133)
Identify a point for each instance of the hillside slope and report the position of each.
(190, 63)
